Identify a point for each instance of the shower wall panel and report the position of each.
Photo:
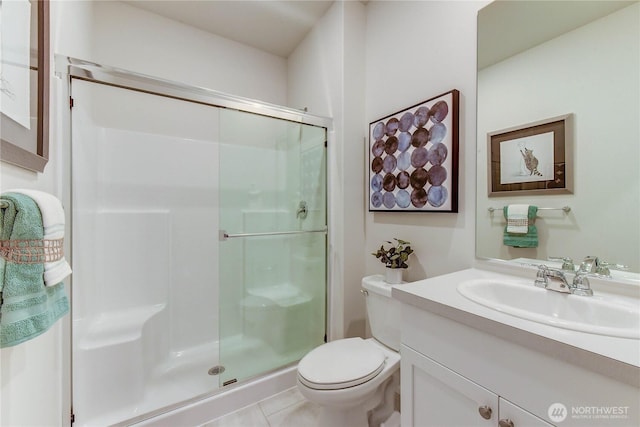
(145, 230)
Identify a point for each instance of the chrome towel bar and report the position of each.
(224, 235)
(566, 209)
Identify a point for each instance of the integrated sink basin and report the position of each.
(595, 314)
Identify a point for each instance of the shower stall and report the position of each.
(199, 242)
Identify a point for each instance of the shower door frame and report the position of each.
(68, 68)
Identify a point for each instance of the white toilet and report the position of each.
(355, 380)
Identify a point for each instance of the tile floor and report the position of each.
(286, 409)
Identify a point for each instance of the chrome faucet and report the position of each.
(545, 274)
(592, 264)
(555, 280)
(567, 263)
(581, 285)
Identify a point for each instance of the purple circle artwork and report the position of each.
(409, 158)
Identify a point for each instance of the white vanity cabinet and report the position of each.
(455, 362)
(518, 416)
(437, 396)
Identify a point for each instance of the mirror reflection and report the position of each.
(585, 64)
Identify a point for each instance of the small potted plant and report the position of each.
(395, 259)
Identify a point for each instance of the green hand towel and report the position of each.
(27, 307)
(528, 240)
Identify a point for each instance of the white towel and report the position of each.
(518, 219)
(53, 223)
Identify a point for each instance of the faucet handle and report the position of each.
(581, 285)
(302, 210)
(603, 267)
(542, 280)
(567, 263)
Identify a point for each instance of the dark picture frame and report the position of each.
(532, 159)
(413, 158)
(13, 138)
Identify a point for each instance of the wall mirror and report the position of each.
(583, 62)
(24, 83)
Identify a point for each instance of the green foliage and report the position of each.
(396, 256)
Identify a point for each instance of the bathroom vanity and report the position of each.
(466, 363)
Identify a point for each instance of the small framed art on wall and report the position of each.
(531, 159)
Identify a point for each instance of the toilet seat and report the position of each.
(341, 364)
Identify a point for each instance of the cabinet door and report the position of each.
(518, 416)
(433, 395)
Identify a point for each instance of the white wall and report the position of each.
(352, 176)
(131, 38)
(325, 75)
(412, 51)
(122, 36)
(415, 51)
(35, 371)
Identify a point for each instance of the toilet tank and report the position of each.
(383, 312)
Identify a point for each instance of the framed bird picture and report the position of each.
(535, 158)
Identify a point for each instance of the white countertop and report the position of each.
(440, 295)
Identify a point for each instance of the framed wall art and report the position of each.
(535, 158)
(413, 158)
(24, 84)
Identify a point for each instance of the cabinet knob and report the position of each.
(505, 422)
(485, 412)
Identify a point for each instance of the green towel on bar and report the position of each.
(525, 240)
(27, 307)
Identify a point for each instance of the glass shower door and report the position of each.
(272, 262)
(144, 252)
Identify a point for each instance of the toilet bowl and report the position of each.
(354, 380)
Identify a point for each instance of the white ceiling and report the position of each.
(506, 28)
(274, 26)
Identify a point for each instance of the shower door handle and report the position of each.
(223, 235)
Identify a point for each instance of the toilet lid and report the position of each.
(340, 364)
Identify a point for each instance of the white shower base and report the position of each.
(225, 402)
(187, 375)
(183, 378)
